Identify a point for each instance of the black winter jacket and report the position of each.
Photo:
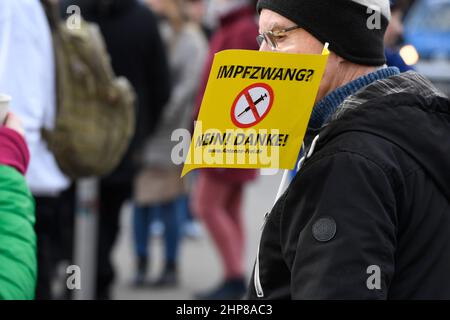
(368, 214)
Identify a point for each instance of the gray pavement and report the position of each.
(200, 267)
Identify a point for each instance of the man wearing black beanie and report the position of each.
(368, 214)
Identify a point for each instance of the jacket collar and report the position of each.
(406, 110)
(326, 107)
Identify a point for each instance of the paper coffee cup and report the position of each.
(4, 107)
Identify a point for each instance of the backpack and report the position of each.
(95, 118)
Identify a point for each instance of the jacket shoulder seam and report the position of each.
(326, 155)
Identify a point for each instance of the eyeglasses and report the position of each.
(271, 37)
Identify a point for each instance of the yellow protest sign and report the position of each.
(255, 110)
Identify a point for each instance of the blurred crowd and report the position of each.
(165, 49)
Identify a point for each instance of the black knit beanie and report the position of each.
(345, 24)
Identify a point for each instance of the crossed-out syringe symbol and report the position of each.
(263, 96)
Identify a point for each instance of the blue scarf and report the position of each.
(326, 107)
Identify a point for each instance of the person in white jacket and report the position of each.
(27, 73)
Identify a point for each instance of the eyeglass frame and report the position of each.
(271, 36)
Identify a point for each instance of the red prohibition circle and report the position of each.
(242, 93)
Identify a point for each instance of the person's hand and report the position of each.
(14, 123)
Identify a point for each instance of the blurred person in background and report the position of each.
(158, 188)
(394, 34)
(18, 265)
(196, 11)
(133, 41)
(27, 74)
(218, 193)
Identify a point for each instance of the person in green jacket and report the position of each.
(18, 265)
